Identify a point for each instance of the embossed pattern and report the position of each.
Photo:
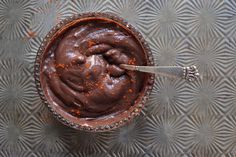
(166, 18)
(131, 138)
(209, 54)
(181, 119)
(206, 18)
(48, 15)
(15, 18)
(133, 11)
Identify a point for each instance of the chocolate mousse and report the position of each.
(80, 69)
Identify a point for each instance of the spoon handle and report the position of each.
(189, 73)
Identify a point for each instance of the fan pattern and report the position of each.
(181, 119)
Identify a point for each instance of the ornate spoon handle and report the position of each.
(189, 73)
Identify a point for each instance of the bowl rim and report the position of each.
(136, 108)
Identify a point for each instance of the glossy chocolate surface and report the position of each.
(81, 73)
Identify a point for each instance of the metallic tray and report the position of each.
(181, 119)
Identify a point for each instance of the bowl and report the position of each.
(100, 123)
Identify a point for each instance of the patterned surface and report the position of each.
(180, 119)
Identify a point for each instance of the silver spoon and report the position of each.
(189, 73)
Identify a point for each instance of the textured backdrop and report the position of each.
(180, 119)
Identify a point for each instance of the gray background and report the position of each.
(180, 119)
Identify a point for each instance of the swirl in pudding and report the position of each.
(81, 70)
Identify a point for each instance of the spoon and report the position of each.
(188, 73)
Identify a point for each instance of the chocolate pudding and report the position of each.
(80, 70)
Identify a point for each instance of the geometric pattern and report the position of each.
(134, 12)
(206, 97)
(166, 18)
(15, 18)
(208, 54)
(168, 96)
(168, 51)
(166, 133)
(204, 134)
(180, 119)
(131, 138)
(15, 93)
(206, 18)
